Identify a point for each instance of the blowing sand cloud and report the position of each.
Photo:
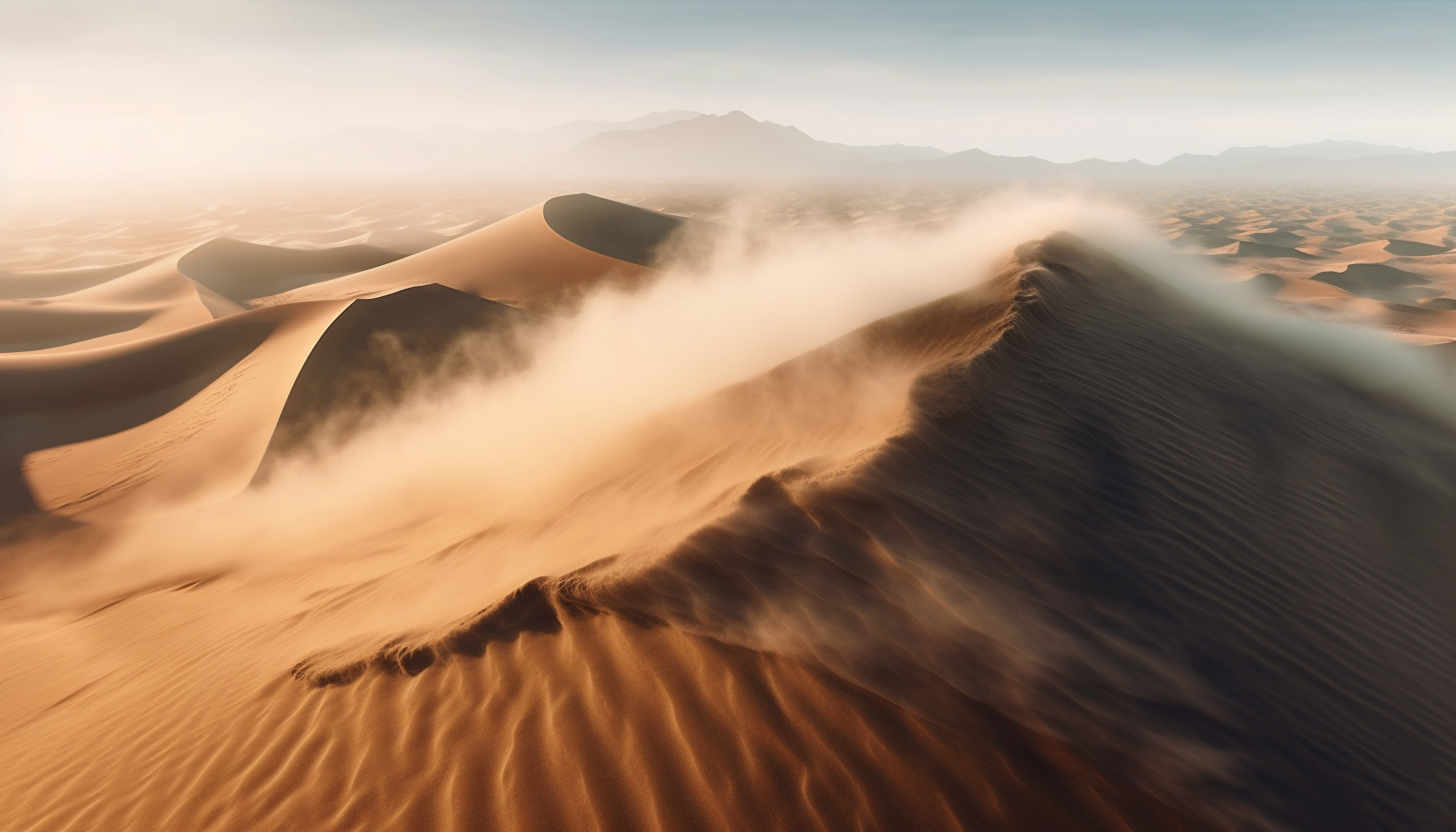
(463, 461)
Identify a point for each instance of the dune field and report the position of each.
(845, 506)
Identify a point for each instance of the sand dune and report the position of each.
(90, 308)
(163, 405)
(243, 272)
(378, 351)
(176, 419)
(49, 284)
(1262, 249)
(1406, 248)
(151, 300)
(1066, 547)
(538, 258)
(1378, 281)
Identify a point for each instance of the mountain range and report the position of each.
(368, 147)
(681, 144)
(732, 144)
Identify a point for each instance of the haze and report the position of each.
(159, 87)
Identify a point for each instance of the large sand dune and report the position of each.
(171, 390)
(438, 541)
(531, 259)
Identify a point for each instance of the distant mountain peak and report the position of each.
(731, 144)
(687, 143)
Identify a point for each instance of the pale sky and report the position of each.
(174, 85)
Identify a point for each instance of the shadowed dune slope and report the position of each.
(540, 258)
(1268, 249)
(83, 309)
(1379, 281)
(48, 284)
(243, 272)
(1090, 558)
(153, 369)
(163, 419)
(51, 401)
(378, 351)
(624, 232)
(145, 302)
(90, 425)
(1407, 248)
(1203, 565)
(1215, 553)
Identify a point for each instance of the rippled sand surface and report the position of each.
(473, 506)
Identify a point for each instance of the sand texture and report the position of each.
(596, 518)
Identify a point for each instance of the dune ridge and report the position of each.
(524, 260)
(1138, 657)
(285, 371)
(1066, 546)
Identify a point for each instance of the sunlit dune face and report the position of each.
(727, 416)
(914, 514)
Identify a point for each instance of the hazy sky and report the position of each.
(147, 84)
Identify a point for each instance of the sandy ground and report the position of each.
(392, 507)
(1289, 232)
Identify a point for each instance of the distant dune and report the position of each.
(525, 260)
(169, 354)
(597, 517)
(244, 272)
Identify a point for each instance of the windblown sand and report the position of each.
(464, 508)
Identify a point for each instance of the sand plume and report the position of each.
(878, 528)
(141, 329)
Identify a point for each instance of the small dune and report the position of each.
(1378, 281)
(1406, 248)
(1248, 249)
(243, 272)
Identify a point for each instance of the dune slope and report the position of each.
(243, 272)
(1062, 552)
(153, 385)
(539, 258)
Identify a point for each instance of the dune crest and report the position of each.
(322, 364)
(888, 529)
(538, 258)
